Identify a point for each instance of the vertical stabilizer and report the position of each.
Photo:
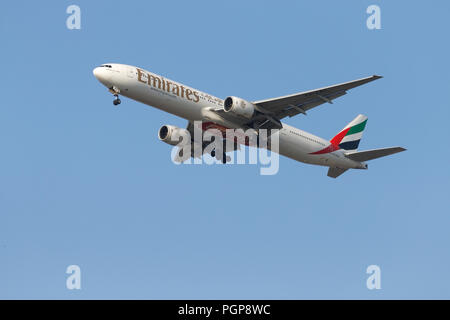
(349, 137)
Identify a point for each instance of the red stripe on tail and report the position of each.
(338, 138)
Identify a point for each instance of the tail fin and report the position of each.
(349, 137)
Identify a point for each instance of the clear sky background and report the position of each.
(83, 182)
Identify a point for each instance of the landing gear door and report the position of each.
(131, 72)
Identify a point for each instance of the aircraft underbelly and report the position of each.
(293, 148)
(299, 150)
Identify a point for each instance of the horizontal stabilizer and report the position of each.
(335, 172)
(373, 154)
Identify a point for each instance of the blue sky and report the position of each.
(86, 183)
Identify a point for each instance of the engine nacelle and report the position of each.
(239, 107)
(173, 135)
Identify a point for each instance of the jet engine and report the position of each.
(173, 135)
(239, 107)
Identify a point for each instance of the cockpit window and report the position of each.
(106, 66)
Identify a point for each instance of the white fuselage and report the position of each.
(194, 105)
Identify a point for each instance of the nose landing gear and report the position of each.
(115, 91)
(116, 101)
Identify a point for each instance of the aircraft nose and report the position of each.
(101, 75)
(97, 72)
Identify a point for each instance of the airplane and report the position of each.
(338, 154)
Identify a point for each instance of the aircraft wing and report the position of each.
(291, 105)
